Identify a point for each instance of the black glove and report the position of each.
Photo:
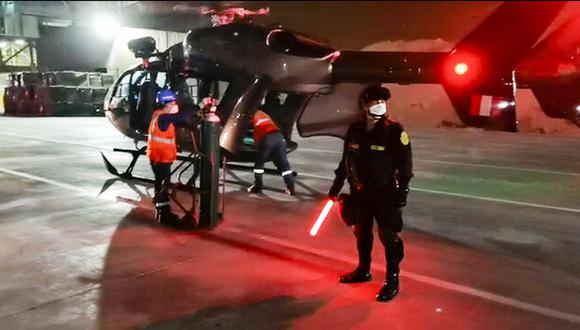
(335, 189)
(401, 196)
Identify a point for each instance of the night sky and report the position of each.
(356, 24)
(343, 24)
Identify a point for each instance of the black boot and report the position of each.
(290, 190)
(359, 275)
(289, 181)
(164, 216)
(169, 219)
(158, 216)
(364, 245)
(390, 289)
(257, 187)
(161, 213)
(394, 254)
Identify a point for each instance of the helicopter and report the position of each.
(241, 63)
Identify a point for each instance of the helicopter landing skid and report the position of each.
(186, 161)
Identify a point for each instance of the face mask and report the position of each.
(174, 109)
(378, 110)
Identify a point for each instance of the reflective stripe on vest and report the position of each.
(163, 140)
(263, 125)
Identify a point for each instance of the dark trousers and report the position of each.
(273, 147)
(162, 173)
(376, 204)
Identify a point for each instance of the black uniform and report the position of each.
(378, 167)
(273, 146)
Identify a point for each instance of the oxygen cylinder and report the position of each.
(209, 176)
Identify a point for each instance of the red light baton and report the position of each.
(321, 217)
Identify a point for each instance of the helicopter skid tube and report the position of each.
(128, 173)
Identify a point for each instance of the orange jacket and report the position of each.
(161, 147)
(263, 125)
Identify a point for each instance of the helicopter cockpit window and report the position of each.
(139, 77)
(145, 86)
(192, 86)
(122, 89)
(161, 79)
(292, 43)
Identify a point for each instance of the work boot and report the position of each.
(359, 275)
(289, 181)
(390, 289)
(255, 189)
(290, 190)
(188, 221)
(161, 213)
(169, 219)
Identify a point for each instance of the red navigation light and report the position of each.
(461, 68)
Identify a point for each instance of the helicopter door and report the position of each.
(285, 108)
(145, 106)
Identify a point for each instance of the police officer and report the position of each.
(271, 145)
(162, 150)
(377, 163)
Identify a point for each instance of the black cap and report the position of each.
(375, 92)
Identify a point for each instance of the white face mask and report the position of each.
(378, 109)
(174, 109)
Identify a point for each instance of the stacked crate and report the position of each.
(56, 93)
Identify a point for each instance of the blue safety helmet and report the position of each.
(165, 96)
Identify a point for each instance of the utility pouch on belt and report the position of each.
(347, 209)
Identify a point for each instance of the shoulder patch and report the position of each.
(404, 138)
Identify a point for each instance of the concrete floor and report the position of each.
(491, 233)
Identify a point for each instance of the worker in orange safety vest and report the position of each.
(271, 146)
(162, 150)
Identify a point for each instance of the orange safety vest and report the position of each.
(161, 146)
(263, 125)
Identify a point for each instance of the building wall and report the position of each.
(120, 57)
(80, 49)
(73, 48)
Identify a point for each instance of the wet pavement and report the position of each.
(491, 236)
